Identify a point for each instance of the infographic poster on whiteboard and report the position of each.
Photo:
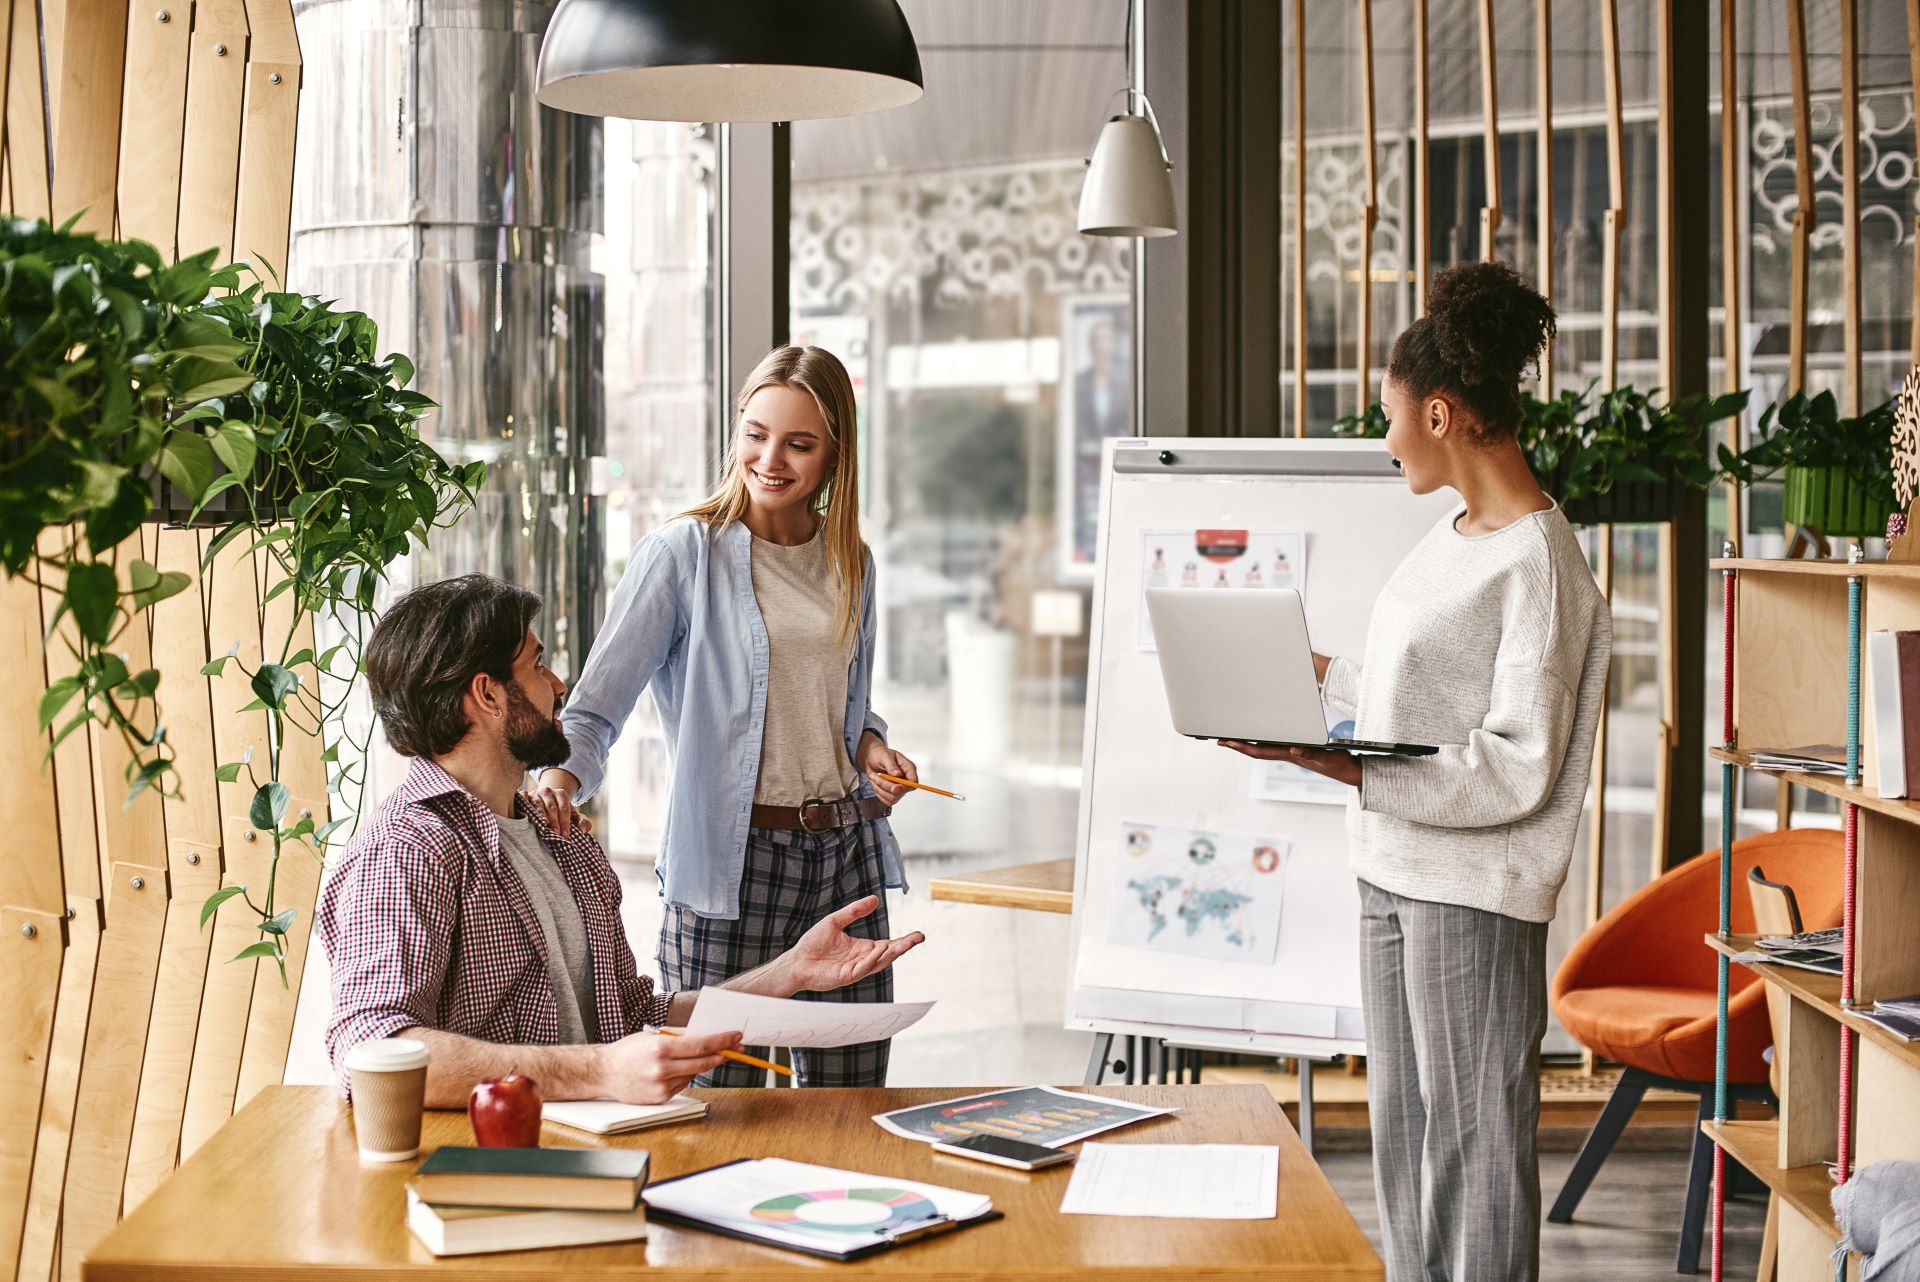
(1217, 559)
(1215, 895)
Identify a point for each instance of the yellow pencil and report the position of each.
(924, 787)
(738, 1058)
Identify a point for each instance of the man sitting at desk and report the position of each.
(458, 917)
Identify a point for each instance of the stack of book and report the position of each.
(1812, 758)
(1899, 1016)
(1817, 950)
(1893, 672)
(463, 1201)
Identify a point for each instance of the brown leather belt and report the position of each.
(821, 816)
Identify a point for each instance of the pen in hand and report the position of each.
(737, 1057)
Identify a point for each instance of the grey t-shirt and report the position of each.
(569, 961)
(803, 753)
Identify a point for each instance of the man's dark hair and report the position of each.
(427, 648)
(1484, 326)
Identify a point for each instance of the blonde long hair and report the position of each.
(819, 373)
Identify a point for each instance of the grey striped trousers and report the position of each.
(1456, 1005)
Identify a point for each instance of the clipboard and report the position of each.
(898, 1238)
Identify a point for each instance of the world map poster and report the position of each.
(1199, 894)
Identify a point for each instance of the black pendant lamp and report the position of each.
(728, 60)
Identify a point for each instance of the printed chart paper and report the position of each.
(1037, 1114)
(1283, 781)
(1200, 894)
(1204, 559)
(819, 1207)
(779, 1021)
(1176, 1181)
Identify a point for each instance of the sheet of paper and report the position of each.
(1283, 781)
(1217, 559)
(811, 1206)
(778, 1021)
(1216, 895)
(1037, 1114)
(1176, 1181)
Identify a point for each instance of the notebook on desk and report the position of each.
(611, 1117)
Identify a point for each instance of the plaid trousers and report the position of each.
(792, 880)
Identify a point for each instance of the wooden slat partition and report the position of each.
(116, 1043)
(193, 863)
(1667, 598)
(86, 120)
(264, 208)
(210, 159)
(153, 119)
(1730, 340)
(1852, 390)
(1369, 216)
(29, 183)
(1490, 124)
(32, 950)
(1299, 217)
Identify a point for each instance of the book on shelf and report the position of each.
(610, 1117)
(1827, 941)
(1901, 1018)
(1817, 959)
(1886, 688)
(558, 1179)
(471, 1230)
(1810, 758)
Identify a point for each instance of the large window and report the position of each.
(935, 250)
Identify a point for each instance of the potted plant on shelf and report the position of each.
(1838, 471)
(120, 372)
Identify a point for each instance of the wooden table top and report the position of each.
(1045, 887)
(279, 1194)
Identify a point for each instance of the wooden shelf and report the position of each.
(1832, 785)
(1831, 569)
(1822, 992)
(1805, 1188)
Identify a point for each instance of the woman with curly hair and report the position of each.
(1491, 640)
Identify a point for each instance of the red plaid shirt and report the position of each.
(427, 925)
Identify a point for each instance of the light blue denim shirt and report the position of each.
(684, 623)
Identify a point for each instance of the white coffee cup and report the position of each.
(388, 1079)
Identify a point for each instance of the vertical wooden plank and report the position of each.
(86, 131)
(1615, 219)
(1299, 217)
(29, 182)
(72, 760)
(1804, 214)
(1543, 94)
(232, 588)
(30, 875)
(129, 833)
(264, 209)
(1423, 178)
(1490, 123)
(1667, 731)
(152, 120)
(1850, 200)
(210, 160)
(193, 862)
(1597, 818)
(1807, 1051)
(116, 1040)
(1730, 244)
(40, 1243)
(31, 951)
(1369, 215)
(6, 64)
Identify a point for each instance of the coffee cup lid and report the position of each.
(387, 1055)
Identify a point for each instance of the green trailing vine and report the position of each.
(266, 415)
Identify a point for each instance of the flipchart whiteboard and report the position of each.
(1358, 520)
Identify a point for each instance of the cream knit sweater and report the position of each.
(1495, 649)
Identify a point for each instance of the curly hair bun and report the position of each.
(1489, 324)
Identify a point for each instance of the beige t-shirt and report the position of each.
(804, 753)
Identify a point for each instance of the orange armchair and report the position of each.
(1641, 988)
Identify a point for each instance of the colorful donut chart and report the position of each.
(847, 1210)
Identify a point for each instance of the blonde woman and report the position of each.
(751, 619)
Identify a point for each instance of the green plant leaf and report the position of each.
(228, 773)
(187, 461)
(194, 378)
(265, 948)
(273, 684)
(327, 830)
(150, 586)
(203, 336)
(111, 524)
(213, 902)
(233, 443)
(221, 483)
(59, 694)
(144, 778)
(269, 803)
(93, 594)
(279, 923)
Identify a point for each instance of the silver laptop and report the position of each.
(1237, 665)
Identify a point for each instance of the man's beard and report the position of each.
(536, 742)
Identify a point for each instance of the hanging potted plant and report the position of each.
(1621, 457)
(1838, 472)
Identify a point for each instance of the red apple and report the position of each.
(505, 1112)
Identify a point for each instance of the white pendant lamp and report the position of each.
(1129, 190)
(728, 60)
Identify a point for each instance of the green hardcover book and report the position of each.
(575, 1179)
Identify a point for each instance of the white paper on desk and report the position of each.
(779, 1021)
(1176, 1181)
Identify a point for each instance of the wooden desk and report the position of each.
(279, 1195)
(1045, 887)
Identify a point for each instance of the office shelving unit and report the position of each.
(1849, 1092)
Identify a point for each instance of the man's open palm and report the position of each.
(827, 957)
